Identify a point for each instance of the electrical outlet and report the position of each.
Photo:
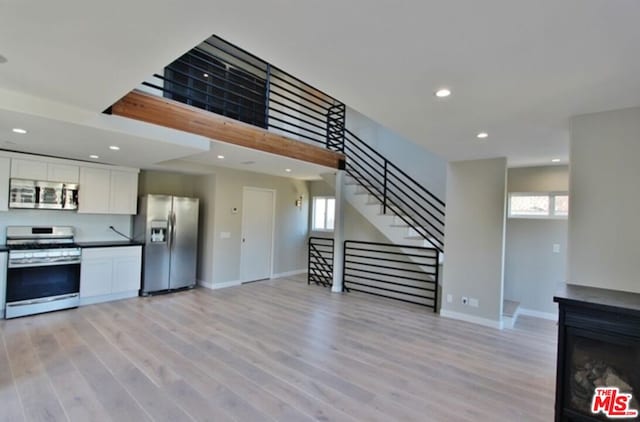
(449, 298)
(465, 300)
(474, 302)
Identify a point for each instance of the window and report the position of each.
(324, 209)
(538, 205)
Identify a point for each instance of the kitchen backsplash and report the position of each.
(89, 227)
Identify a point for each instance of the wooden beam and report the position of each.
(169, 113)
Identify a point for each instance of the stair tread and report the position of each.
(509, 307)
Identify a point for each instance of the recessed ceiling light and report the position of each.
(555, 160)
(443, 93)
(206, 75)
(95, 157)
(114, 147)
(221, 157)
(287, 170)
(18, 130)
(482, 135)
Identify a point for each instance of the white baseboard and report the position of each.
(472, 319)
(551, 316)
(290, 273)
(108, 298)
(215, 286)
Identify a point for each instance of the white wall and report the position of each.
(220, 258)
(604, 234)
(533, 271)
(425, 167)
(89, 227)
(474, 246)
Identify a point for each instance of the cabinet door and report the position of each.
(5, 171)
(28, 169)
(62, 173)
(96, 275)
(126, 270)
(124, 192)
(94, 190)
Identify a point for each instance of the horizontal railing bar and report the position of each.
(296, 118)
(401, 197)
(390, 199)
(236, 56)
(362, 242)
(321, 112)
(390, 260)
(352, 161)
(401, 189)
(321, 120)
(313, 94)
(386, 275)
(325, 239)
(397, 298)
(271, 116)
(394, 268)
(362, 150)
(285, 89)
(390, 290)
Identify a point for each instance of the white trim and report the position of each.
(551, 316)
(472, 319)
(290, 273)
(216, 286)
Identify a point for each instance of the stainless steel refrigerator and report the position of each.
(168, 226)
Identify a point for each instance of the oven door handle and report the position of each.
(43, 264)
(43, 300)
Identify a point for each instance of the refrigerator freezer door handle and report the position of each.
(169, 232)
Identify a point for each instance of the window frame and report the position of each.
(552, 203)
(313, 214)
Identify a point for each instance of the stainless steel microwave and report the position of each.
(43, 195)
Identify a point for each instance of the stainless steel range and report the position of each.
(43, 272)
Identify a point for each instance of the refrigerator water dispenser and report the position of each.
(159, 231)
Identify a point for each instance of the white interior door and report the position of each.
(256, 248)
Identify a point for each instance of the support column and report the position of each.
(338, 234)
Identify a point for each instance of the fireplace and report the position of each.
(598, 347)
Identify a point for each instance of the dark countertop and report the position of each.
(598, 298)
(109, 243)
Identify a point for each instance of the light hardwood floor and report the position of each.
(272, 350)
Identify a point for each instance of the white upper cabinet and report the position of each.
(62, 173)
(42, 170)
(5, 171)
(94, 190)
(28, 169)
(124, 192)
(102, 191)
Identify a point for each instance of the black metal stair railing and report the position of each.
(219, 77)
(400, 272)
(320, 261)
(396, 191)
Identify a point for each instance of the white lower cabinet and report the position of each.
(110, 273)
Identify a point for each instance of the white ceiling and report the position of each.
(518, 69)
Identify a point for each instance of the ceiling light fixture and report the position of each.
(555, 160)
(95, 157)
(287, 170)
(482, 135)
(443, 93)
(206, 75)
(221, 157)
(18, 130)
(114, 148)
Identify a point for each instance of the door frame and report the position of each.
(273, 229)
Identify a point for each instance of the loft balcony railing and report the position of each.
(221, 78)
